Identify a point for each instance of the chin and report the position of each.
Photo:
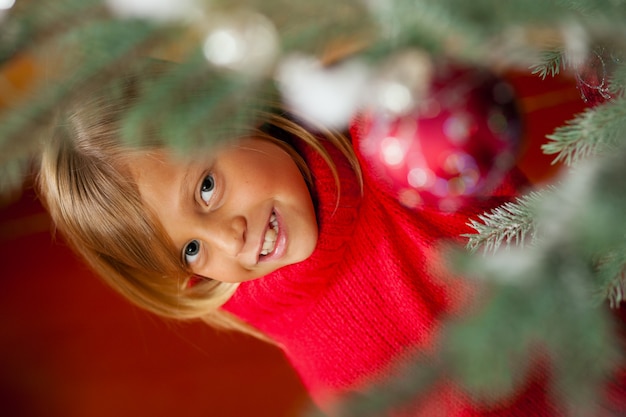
(305, 253)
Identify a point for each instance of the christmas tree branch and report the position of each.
(618, 79)
(509, 224)
(596, 130)
(32, 23)
(227, 103)
(611, 273)
(21, 126)
(550, 63)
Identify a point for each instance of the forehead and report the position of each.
(159, 176)
(146, 166)
(156, 172)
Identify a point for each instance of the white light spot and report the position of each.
(156, 10)
(457, 128)
(391, 151)
(329, 95)
(396, 98)
(6, 4)
(576, 40)
(418, 177)
(222, 48)
(243, 41)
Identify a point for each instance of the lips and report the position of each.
(273, 244)
(271, 234)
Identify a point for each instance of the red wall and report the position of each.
(70, 347)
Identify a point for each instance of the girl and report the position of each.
(282, 233)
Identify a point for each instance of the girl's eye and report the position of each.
(207, 188)
(191, 251)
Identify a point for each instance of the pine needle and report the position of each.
(20, 126)
(593, 131)
(551, 64)
(617, 83)
(616, 292)
(612, 277)
(509, 224)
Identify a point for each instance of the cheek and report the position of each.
(281, 175)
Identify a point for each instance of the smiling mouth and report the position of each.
(269, 242)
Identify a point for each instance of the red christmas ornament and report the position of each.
(456, 144)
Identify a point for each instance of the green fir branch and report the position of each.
(31, 22)
(551, 63)
(21, 127)
(228, 103)
(617, 82)
(411, 384)
(593, 131)
(509, 224)
(538, 296)
(611, 274)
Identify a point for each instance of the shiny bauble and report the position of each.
(455, 144)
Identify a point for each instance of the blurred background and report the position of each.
(71, 347)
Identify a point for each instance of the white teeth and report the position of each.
(270, 236)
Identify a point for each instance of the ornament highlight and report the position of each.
(6, 4)
(328, 95)
(455, 144)
(161, 11)
(401, 81)
(243, 41)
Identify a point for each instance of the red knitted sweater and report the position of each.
(370, 293)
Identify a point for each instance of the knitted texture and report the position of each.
(371, 294)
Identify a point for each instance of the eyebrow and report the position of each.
(184, 185)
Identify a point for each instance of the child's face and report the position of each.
(236, 215)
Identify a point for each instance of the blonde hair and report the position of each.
(86, 185)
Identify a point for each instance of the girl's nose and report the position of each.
(230, 235)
